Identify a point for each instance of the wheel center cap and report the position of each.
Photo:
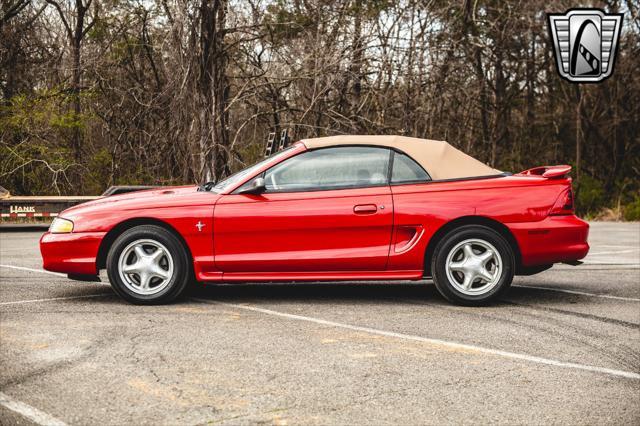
(473, 264)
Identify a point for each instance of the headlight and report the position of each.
(61, 226)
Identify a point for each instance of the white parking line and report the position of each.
(454, 345)
(581, 293)
(614, 252)
(446, 343)
(32, 413)
(597, 266)
(85, 296)
(42, 271)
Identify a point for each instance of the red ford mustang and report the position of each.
(329, 209)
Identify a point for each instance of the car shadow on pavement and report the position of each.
(423, 292)
(317, 292)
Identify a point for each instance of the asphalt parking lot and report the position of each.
(561, 347)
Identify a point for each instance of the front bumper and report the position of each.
(73, 253)
(553, 240)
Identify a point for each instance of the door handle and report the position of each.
(365, 209)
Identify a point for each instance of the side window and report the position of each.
(331, 168)
(406, 170)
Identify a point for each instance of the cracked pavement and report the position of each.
(86, 360)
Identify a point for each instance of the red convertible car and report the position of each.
(330, 209)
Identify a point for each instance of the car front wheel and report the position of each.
(472, 265)
(147, 264)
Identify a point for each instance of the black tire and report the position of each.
(451, 242)
(171, 287)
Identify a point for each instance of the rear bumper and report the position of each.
(552, 240)
(73, 253)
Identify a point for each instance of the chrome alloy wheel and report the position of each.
(145, 267)
(474, 267)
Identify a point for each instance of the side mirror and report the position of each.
(257, 186)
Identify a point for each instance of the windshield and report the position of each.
(242, 174)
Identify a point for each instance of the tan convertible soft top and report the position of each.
(438, 158)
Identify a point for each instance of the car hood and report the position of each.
(147, 199)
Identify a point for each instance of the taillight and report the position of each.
(564, 203)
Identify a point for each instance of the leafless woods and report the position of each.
(98, 92)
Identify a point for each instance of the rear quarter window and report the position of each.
(406, 170)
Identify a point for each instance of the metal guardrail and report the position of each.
(35, 210)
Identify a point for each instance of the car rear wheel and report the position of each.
(148, 265)
(472, 265)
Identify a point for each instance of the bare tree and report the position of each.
(77, 23)
(175, 91)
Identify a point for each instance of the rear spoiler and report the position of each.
(549, 172)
